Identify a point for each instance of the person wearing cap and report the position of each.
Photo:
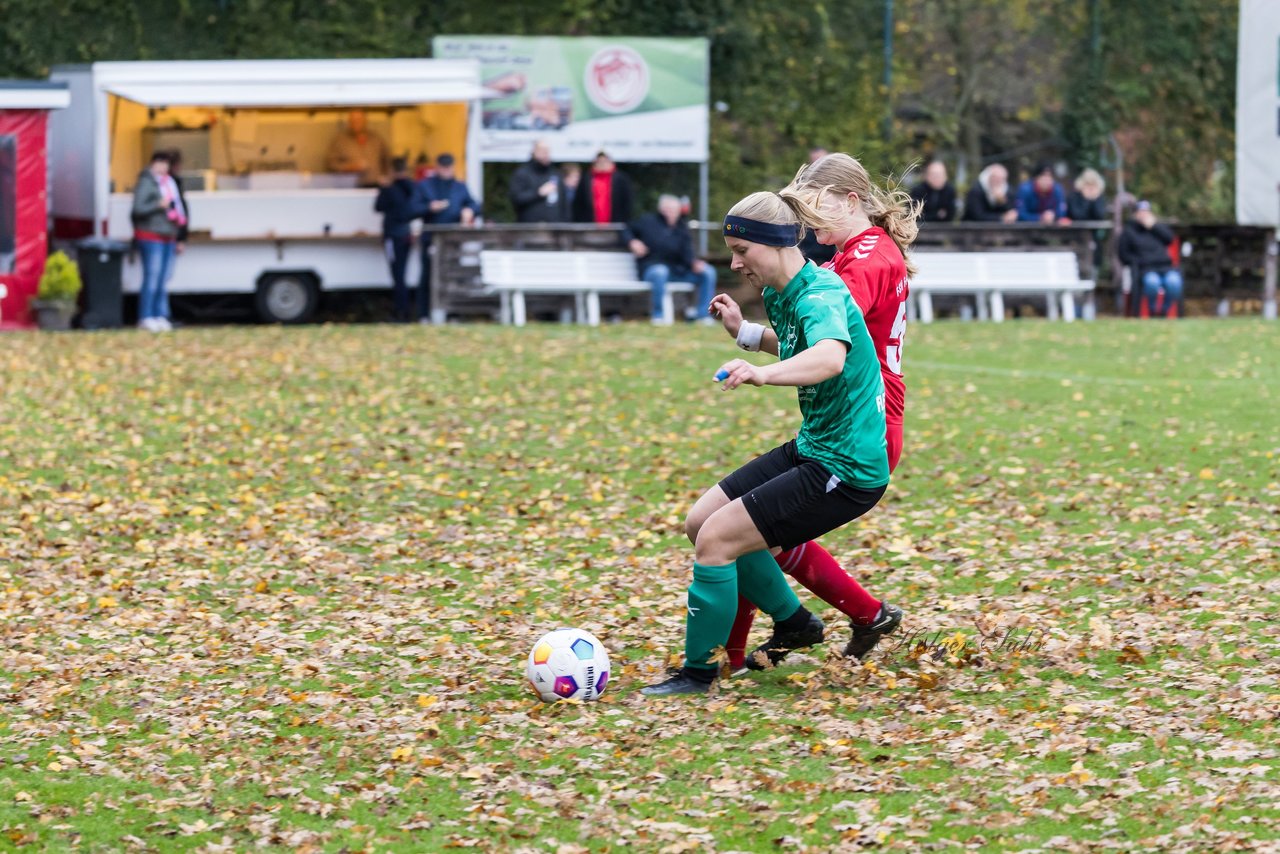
(444, 200)
(835, 470)
(1040, 199)
(605, 195)
(1144, 246)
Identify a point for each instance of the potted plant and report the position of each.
(55, 302)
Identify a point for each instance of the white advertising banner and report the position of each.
(1258, 114)
(639, 99)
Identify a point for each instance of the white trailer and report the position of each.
(266, 217)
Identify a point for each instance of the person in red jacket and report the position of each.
(604, 195)
(871, 228)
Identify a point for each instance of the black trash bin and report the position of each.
(102, 298)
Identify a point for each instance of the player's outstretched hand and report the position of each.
(729, 312)
(739, 372)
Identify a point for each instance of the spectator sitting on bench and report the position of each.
(1040, 199)
(663, 247)
(1144, 246)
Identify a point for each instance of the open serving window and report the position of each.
(255, 138)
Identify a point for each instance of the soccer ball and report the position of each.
(568, 664)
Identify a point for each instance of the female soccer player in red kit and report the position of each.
(872, 229)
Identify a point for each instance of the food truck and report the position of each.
(268, 214)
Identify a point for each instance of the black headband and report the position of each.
(768, 233)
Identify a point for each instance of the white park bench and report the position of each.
(991, 276)
(583, 275)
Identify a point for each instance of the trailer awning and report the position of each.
(292, 83)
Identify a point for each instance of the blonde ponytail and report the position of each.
(891, 209)
(896, 213)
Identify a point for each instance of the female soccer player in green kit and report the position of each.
(834, 471)
(871, 228)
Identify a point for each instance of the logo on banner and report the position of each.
(617, 79)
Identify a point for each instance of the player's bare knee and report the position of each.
(692, 525)
(712, 550)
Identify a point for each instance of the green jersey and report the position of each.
(844, 416)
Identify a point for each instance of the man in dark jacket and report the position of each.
(604, 195)
(443, 200)
(536, 191)
(397, 201)
(1144, 246)
(935, 193)
(663, 247)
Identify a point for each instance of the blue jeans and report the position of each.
(657, 275)
(1170, 281)
(157, 267)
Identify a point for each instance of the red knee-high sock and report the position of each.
(815, 568)
(737, 643)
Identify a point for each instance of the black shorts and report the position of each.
(793, 499)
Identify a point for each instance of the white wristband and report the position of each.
(750, 335)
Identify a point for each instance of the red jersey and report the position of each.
(872, 267)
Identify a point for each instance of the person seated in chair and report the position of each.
(1144, 246)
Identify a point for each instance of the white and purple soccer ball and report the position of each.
(568, 664)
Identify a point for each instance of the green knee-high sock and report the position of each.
(713, 603)
(761, 581)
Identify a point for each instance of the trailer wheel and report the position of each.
(287, 297)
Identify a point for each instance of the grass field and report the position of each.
(272, 589)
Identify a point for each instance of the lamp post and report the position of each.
(888, 70)
(1269, 271)
(1117, 223)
